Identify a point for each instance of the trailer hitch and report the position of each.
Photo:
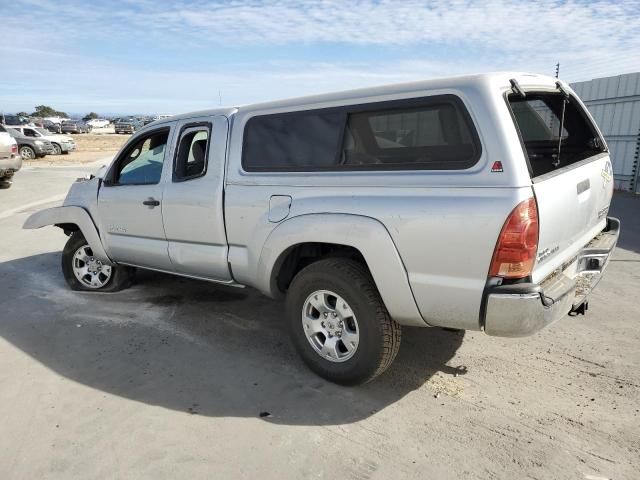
(580, 309)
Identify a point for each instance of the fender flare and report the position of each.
(365, 234)
(69, 214)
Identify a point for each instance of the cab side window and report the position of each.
(192, 152)
(29, 132)
(141, 163)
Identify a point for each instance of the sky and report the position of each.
(173, 56)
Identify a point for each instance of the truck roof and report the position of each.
(496, 79)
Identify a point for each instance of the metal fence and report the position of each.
(614, 102)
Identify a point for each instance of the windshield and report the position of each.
(42, 131)
(555, 130)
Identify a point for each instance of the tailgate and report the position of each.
(572, 209)
(570, 170)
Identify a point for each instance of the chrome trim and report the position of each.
(520, 315)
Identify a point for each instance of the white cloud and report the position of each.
(415, 39)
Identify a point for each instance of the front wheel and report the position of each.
(27, 153)
(338, 322)
(84, 272)
(57, 150)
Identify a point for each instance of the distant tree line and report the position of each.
(43, 111)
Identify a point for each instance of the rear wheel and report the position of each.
(84, 272)
(338, 322)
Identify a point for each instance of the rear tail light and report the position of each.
(14, 148)
(517, 245)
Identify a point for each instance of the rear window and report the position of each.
(428, 137)
(555, 131)
(430, 133)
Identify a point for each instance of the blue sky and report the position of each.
(143, 56)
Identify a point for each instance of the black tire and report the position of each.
(379, 335)
(57, 150)
(4, 184)
(121, 276)
(66, 153)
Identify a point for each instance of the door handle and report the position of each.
(583, 186)
(151, 202)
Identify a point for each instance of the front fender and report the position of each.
(365, 234)
(74, 215)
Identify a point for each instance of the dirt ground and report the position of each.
(99, 144)
(174, 378)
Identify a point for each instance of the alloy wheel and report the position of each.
(89, 270)
(330, 326)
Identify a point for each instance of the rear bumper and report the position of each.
(8, 166)
(525, 308)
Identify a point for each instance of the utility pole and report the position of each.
(557, 69)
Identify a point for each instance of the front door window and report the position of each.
(142, 163)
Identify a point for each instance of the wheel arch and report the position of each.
(70, 219)
(26, 145)
(355, 236)
(298, 256)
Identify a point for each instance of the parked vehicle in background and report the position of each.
(130, 125)
(98, 122)
(161, 117)
(10, 159)
(52, 126)
(30, 148)
(473, 203)
(75, 126)
(11, 120)
(62, 144)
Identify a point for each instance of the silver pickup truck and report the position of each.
(476, 202)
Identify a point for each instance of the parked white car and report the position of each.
(62, 144)
(473, 203)
(10, 160)
(98, 122)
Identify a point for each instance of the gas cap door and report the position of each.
(279, 206)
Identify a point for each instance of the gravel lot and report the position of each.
(181, 379)
(100, 143)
